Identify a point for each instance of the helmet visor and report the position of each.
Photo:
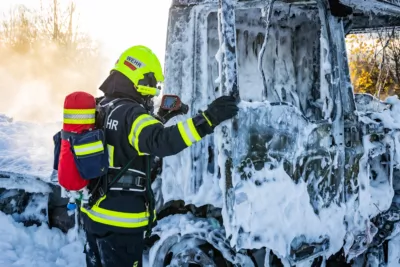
(148, 80)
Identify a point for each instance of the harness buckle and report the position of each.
(140, 181)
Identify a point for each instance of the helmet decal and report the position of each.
(133, 63)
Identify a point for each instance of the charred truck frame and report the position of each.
(299, 118)
(307, 173)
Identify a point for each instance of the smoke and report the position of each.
(33, 85)
(43, 58)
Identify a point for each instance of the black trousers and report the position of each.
(114, 250)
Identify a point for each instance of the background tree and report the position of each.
(374, 60)
(44, 56)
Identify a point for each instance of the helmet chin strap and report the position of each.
(149, 104)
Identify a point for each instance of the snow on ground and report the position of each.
(38, 246)
(26, 148)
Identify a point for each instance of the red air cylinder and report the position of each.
(79, 116)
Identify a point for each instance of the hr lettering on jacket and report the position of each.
(112, 124)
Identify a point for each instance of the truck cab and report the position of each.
(289, 180)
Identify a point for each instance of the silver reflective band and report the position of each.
(138, 125)
(130, 189)
(79, 116)
(117, 219)
(88, 149)
(188, 132)
(132, 170)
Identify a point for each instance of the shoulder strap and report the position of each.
(150, 196)
(117, 177)
(102, 185)
(102, 182)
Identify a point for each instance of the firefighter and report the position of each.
(116, 222)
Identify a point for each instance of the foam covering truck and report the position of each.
(307, 174)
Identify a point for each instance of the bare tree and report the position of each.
(375, 61)
(44, 47)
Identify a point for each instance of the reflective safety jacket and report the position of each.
(132, 132)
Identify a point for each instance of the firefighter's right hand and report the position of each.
(166, 115)
(221, 109)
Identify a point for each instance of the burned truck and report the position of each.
(308, 171)
(307, 174)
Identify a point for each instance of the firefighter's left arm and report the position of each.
(149, 136)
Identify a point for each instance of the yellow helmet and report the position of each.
(140, 65)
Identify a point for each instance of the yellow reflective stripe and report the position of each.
(146, 90)
(188, 132)
(131, 133)
(193, 130)
(79, 121)
(141, 122)
(114, 221)
(207, 119)
(183, 134)
(90, 148)
(80, 111)
(145, 124)
(110, 149)
(116, 218)
(123, 215)
(79, 116)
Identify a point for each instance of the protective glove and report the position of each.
(166, 115)
(221, 109)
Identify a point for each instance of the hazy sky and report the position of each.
(116, 24)
(119, 24)
(123, 23)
